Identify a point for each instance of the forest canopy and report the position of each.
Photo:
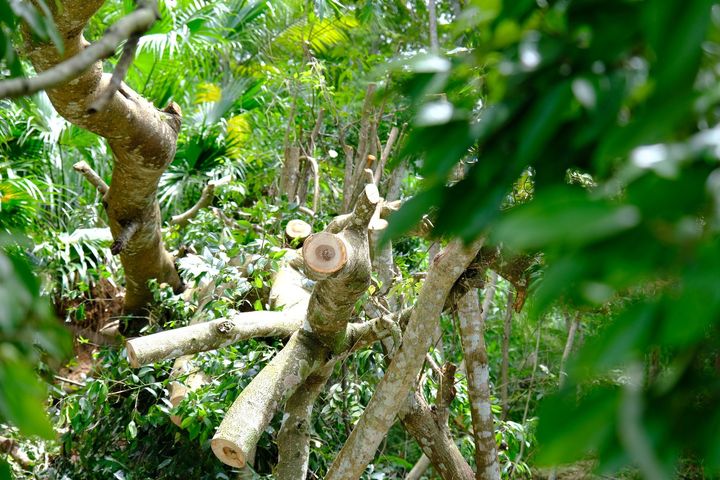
(426, 239)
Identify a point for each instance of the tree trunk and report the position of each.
(143, 141)
(472, 329)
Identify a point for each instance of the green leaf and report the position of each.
(569, 429)
(131, 430)
(627, 337)
(5, 472)
(410, 214)
(22, 398)
(563, 217)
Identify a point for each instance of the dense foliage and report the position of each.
(586, 137)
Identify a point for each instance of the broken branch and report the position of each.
(91, 176)
(126, 234)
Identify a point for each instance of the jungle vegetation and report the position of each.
(352, 239)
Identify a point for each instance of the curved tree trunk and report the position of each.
(143, 141)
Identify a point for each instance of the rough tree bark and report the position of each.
(428, 425)
(142, 139)
(472, 326)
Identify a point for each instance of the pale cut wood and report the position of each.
(298, 230)
(252, 411)
(325, 253)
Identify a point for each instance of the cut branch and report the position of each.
(137, 22)
(91, 176)
(121, 240)
(341, 265)
(297, 231)
(205, 336)
(252, 411)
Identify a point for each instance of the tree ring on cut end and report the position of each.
(227, 452)
(325, 252)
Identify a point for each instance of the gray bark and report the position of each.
(205, 336)
(472, 326)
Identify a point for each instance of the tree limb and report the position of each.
(136, 22)
(341, 265)
(142, 139)
(212, 335)
(392, 391)
(206, 198)
(472, 326)
(121, 69)
(293, 439)
(252, 411)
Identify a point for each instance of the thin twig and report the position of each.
(518, 459)
(68, 381)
